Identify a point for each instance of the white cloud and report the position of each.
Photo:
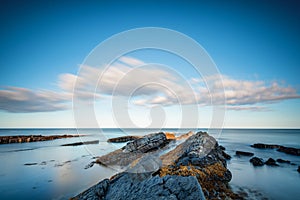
(148, 85)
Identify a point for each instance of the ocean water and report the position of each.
(59, 172)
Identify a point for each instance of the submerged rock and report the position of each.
(244, 153)
(271, 162)
(279, 160)
(280, 148)
(81, 143)
(298, 169)
(257, 161)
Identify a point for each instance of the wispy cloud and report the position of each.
(148, 85)
(22, 100)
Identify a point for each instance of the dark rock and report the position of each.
(265, 146)
(122, 139)
(226, 156)
(271, 162)
(279, 160)
(222, 148)
(298, 170)
(289, 150)
(147, 143)
(81, 143)
(243, 153)
(31, 138)
(29, 164)
(257, 161)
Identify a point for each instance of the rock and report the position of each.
(222, 148)
(265, 146)
(181, 172)
(185, 136)
(289, 150)
(257, 161)
(81, 143)
(225, 155)
(243, 153)
(127, 186)
(279, 160)
(122, 139)
(271, 162)
(29, 164)
(134, 150)
(298, 170)
(170, 136)
(147, 143)
(31, 138)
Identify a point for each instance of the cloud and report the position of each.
(22, 100)
(146, 85)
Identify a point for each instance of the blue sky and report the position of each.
(248, 40)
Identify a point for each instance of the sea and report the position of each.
(47, 170)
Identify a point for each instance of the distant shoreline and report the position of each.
(31, 138)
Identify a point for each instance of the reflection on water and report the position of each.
(59, 170)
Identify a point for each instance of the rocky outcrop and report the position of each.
(31, 138)
(280, 148)
(257, 161)
(134, 150)
(271, 162)
(128, 186)
(244, 153)
(194, 169)
(122, 139)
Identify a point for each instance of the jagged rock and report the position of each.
(185, 136)
(122, 139)
(181, 172)
(225, 155)
(244, 153)
(134, 150)
(257, 161)
(128, 186)
(147, 143)
(170, 136)
(279, 160)
(271, 162)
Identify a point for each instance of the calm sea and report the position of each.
(59, 172)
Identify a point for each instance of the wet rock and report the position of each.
(225, 155)
(279, 160)
(280, 148)
(298, 170)
(81, 143)
(122, 139)
(244, 153)
(170, 136)
(31, 138)
(271, 162)
(257, 161)
(265, 146)
(289, 150)
(29, 164)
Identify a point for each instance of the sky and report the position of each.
(44, 46)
